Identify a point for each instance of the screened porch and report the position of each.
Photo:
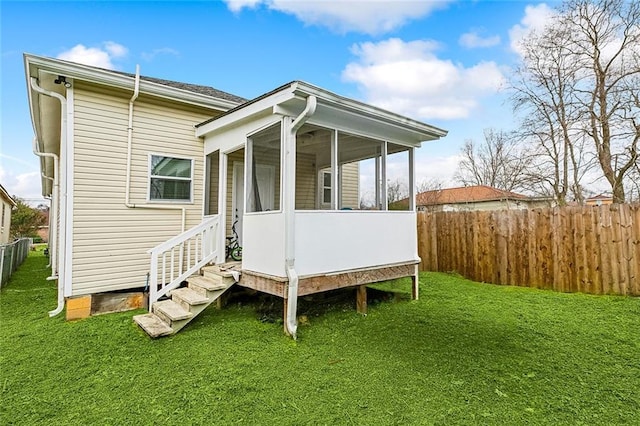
(342, 219)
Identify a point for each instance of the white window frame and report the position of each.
(248, 169)
(189, 179)
(322, 204)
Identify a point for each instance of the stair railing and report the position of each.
(178, 258)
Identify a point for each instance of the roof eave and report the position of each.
(302, 90)
(370, 111)
(106, 77)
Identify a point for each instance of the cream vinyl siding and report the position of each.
(5, 226)
(110, 241)
(306, 182)
(350, 185)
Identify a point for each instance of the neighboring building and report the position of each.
(599, 200)
(8, 204)
(480, 197)
(148, 176)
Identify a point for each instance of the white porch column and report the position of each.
(383, 178)
(334, 170)
(222, 207)
(412, 179)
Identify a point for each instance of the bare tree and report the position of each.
(499, 162)
(579, 83)
(431, 184)
(396, 190)
(544, 93)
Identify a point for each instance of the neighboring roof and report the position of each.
(290, 99)
(466, 194)
(4, 194)
(601, 197)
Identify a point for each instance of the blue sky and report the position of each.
(444, 63)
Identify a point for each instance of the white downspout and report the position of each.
(289, 214)
(48, 197)
(127, 190)
(53, 210)
(63, 130)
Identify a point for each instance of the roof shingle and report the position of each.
(465, 194)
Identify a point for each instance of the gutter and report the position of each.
(291, 323)
(127, 191)
(121, 80)
(63, 130)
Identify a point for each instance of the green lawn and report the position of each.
(465, 353)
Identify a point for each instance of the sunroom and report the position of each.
(301, 174)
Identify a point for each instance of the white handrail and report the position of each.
(200, 245)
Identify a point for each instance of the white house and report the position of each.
(148, 176)
(476, 197)
(8, 204)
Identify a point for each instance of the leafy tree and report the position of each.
(25, 220)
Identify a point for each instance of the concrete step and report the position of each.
(153, 325)
(224, 269)
(222, 277)
(172, 310)
(206, 283)
(189, 296)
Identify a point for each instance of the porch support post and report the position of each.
(383, 178)
(334, 170)
(378, 182)
(361, 299)
(415, 284)
(412, 179)
(222, 207)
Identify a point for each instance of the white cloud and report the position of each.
(371, 17)
(408, 78)
(22, 185)
(95, 56)
(473, 39)
(436, 168)
(149, 56)
(535, 19)
(238, 5)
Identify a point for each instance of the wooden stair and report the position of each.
(169, 316)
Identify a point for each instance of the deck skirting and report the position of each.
(278, 286)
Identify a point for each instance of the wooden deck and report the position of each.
(278, 286)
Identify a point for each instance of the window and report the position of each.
(326, 187)
(263, 170)
(170, 178)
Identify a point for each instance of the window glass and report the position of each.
(326, 187)
(170, 178)
(313, 158)
(263, 185)
(398, 189)
(212, 183)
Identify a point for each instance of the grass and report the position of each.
(465, 353)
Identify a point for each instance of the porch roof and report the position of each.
(332, 111)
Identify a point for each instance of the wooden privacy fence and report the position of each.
(571, 249)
